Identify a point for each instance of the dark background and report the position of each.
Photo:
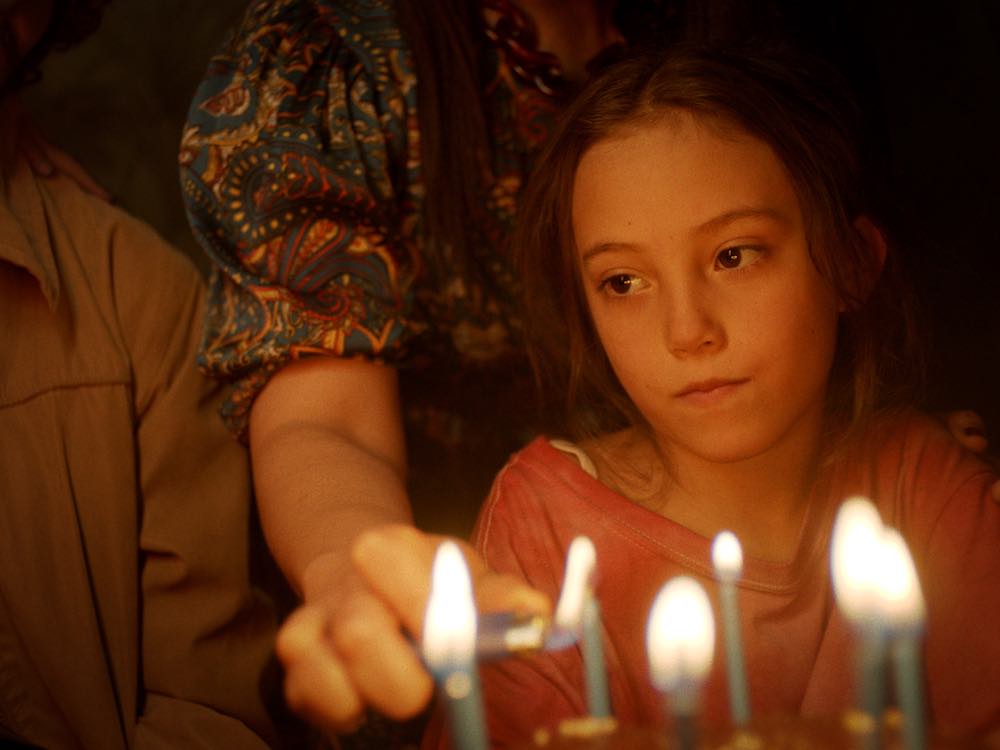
(929, 77)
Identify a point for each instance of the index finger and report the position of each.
(396, 562)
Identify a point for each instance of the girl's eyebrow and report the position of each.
(750, 212)
(604, 247)
(716, 223)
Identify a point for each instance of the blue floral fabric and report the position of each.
(301, 173)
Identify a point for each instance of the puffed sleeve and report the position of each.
(299, 175)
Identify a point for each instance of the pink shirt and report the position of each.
(799, 650)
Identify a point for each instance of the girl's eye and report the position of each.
(736, 257)
(621, 284)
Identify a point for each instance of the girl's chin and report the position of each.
(725, 446)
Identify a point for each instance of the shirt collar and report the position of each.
(24, 232)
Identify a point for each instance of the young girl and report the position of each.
(723, 322)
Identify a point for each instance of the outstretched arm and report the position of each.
(329, 464)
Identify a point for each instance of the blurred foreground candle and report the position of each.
(855, 557)
(449, 644)
(579, 611)
(902, 604)
(727, 558)
(680, 640)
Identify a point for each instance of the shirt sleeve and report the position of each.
(206, 635)
(299, 176)
(953, 529)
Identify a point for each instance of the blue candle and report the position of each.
(578, 616)
(680, 641)
(463, 699)
(598, 700)
(449, 647)
(727, 558)
(908, 670)
(904, 612)
(856, 554)
(871, 678)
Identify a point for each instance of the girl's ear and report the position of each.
(874, 240)
(874, 243)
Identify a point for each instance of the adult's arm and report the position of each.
(329, 468)
(329, 462)
(300, 175)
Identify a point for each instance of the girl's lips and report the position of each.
(709, 392)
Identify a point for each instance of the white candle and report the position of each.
(501, 634)
(727, 558)
(581, 561)
(855, 557)
(579, 612)
(449, 646)
(903, 609)
(680, 641)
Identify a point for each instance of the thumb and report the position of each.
(396, 562)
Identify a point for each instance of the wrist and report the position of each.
(330, 574)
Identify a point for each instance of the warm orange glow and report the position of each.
(855, 554)
(680, 637)
(900, 599)
(449, 639)
(577, 584)
(727, 556)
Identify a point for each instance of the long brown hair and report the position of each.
(445, 37)
(447, 40)
(804, 112)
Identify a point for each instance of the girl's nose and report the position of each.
(692, 328)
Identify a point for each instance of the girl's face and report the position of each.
(696, 269)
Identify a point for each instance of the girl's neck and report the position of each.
(763, 500)
(573, 31)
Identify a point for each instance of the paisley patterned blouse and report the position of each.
(300, 169)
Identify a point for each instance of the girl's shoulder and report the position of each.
(913, 468)
(545, 462)
(917, 438)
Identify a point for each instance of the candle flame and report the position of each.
(727, 556)
(578, 581)
(449, 638)
(680, 636)
(855, 555)
(901, 601)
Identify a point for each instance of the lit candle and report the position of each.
(727, 558)
(680, 640)
(449, 643)
(579, 612)
(501, 634)
(902, 604)
(855, 557)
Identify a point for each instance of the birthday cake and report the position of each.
(774, 733)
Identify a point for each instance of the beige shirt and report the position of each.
(126, 617)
